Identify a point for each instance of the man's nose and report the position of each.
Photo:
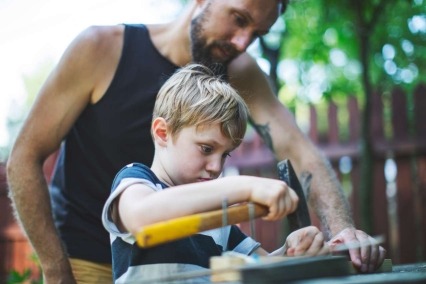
(241, 40)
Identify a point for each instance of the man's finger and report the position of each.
(374, 255)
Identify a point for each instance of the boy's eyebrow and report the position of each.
(215, 143)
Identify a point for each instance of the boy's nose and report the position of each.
(214, 167)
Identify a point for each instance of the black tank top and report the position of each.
(107, 136)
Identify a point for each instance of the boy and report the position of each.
(198, 120)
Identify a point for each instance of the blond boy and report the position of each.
(198, 120)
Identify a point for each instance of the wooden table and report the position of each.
(324, 270)
(407, 273)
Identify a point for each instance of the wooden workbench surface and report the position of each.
(407, 273)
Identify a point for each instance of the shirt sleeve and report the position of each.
(128, 176)
(240, 242)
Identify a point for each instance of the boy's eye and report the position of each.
(206, 149)
(226, 155)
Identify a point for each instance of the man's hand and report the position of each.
(368, 256)
(57, 278)
(306, 241)
(58, 271)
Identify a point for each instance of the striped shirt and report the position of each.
(134, 264)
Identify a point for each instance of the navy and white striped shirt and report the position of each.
(134, 264)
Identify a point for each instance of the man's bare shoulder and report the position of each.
(243, 65)
(93, 57)
(247, 77)
(102, 37)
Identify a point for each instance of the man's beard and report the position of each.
(202, 53)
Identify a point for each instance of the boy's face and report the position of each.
(196, 154)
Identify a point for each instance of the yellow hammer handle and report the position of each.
(186, 226)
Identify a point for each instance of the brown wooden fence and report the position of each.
(399, 169)
(399, 136)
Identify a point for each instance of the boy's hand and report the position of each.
(276, 195)
(306, 241)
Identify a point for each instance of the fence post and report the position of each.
(420, 168)
(404, 181)
(379, 197)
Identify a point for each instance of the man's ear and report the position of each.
(159, 131)
(200, 5)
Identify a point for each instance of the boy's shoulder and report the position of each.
(135, 170)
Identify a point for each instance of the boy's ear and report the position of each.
(159, 131)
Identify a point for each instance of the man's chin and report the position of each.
(223, 60)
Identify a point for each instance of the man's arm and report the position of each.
(281, 134)
(277, 126)
(69, 89)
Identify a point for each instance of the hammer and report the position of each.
(171, 230)
(299, 218)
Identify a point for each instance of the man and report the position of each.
(97, 105)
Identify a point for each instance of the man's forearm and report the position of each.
(327, 198)
(28, 191)
(324, 194)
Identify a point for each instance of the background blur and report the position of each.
(33, 36)
(351, 71)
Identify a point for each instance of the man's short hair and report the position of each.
(284, 4)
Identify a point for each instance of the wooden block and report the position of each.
(226, 268)
(270, 269)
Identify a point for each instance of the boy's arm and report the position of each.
(139, 205)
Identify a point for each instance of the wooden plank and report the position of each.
(236, 268)
(419, 112)
(406, 214)
(377, 133)
(354, 119)
(333, 125)
(420, 208)
(380, 205)
(399, 116)
(354, 198)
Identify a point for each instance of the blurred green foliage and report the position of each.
(318, 30)
(28, 276)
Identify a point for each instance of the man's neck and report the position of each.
(172, 40)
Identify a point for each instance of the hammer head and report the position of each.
(299, 218)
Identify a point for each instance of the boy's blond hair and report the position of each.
(194, 96)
